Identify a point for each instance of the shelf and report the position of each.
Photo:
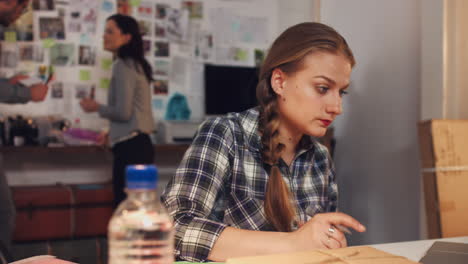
(159, 148)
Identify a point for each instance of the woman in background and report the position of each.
(129, 100)
(257, 182)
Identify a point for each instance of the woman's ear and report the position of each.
(278, 78)
(128, 38)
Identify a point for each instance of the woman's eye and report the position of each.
(343, 93)
(322, 89)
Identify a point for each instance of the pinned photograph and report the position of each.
(160, 87)
(195, 9)
(145, 27)
(51, 27)
(62, 54)
(161, 11)
(38, 53)
(145, 10)
(177, 24)
(57, 90)
(159, 30)
(9, 56)
(89, 16)
(61, 12)
(203, 48)
(87, 55)
(43, 5)
(161, 49)
(161, 67)
(233, 55)
(158, 104)
(82, 91)
(26, 52)
(74, 22)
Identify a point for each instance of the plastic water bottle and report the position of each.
(141, 230)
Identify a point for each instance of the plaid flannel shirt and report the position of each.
(222, 180)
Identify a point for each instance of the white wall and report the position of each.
(377, 152)
(432, 59)
(295, 12)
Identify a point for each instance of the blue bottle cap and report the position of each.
(142, 177)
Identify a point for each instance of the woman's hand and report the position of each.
(320, 232)
(89, 105)
(103, 138)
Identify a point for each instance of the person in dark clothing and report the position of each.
(12, 91)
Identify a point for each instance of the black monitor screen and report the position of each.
(229, 89)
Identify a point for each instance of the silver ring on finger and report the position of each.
(331, 230)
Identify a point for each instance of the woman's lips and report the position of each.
(325, 122)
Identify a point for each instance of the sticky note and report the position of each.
(107, 6)
(48, 42)
(104, 83)
(85, 75)
(158, 104)
(242, 55)
(135, 2)
(10, 36)
(235, 26)
(106, 64)
(84, 39)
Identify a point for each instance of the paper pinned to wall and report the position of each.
(233, 28)
(10, 36)
(62, 54)
(83, 16)
(10, 55)
(158, 104)
(85, 75)
(48, 43)
(60, 98)
(177, 24)
(106, 63)
(234, 56)
(104, 83)
(179, 71)
(107, 6)
(203, 46)
(196, 87)
(135, 3)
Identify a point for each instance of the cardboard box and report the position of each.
(349, 255)
(444, 162)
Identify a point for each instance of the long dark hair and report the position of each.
(287, 53)
(134, 48)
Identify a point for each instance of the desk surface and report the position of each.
(413, 250)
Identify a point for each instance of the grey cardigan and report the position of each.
(129, 101)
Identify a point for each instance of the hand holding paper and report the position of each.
(89, 105)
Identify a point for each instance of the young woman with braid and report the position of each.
(257, 182)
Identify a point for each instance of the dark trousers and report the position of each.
(7, 211)
(137, 150)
